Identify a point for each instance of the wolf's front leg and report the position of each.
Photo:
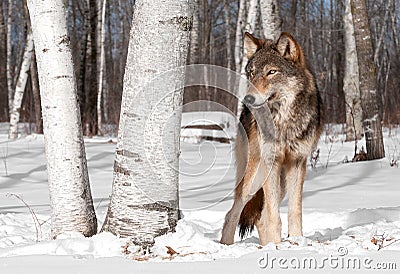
(295, 179)
(245, 190)
(269, 226)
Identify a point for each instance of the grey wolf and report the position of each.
(279, 78)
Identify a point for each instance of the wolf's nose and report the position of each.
(249, 99)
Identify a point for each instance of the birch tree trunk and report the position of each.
(239, 35)
(70, 197)
(351, 86)
(3, 66)
(250, 25)
(370, 97)
(144, 200)
(228, 42)
(20, 87)
(270, 19)
(101, 73)
(194, 35)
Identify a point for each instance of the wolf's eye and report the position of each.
(271, 72)
(252, 74)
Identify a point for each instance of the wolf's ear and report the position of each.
(252, 44)
(289, 49)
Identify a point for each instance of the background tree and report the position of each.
(270, 19)
(101, 65)
(70, 197)
(351, 80)
(20, 87)
(9, 68)
(15, 108)
(144, 200)
(318, 25)
(370, 96)
(3, 64)
(36, 95)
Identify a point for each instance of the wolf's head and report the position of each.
(277, 71)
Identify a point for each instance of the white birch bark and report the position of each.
(101, 67)
(228, 41)
(351, 86)
(70, 196)
(144, 200)
(9, 56)
(252, 15)
(239, 35)
(270, 19)
(250, 26)
(194, 35)
(20, 87)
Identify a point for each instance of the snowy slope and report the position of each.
(347, 208)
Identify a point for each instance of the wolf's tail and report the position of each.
(251, 213)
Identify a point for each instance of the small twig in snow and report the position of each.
(33, 214)
(5, 157)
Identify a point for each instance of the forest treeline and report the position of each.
(318, 25)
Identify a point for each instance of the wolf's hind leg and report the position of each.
(295, 179)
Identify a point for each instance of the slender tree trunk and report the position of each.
(109, 72)
(36, 95)
(252, 16)
(82, 60)
(229, 63)
(144, 200)
(122, 44)
(20, 87)
(70, 197)
(194, 35)
(370, 97)
(10, 82)
(293, 12)
(239, 35)
(91, 84)
(228, 35)
(250, 26)
(101, 72)
(271, 21)
(3, 66)
(351, 80)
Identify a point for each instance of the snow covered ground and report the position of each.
(350, 211)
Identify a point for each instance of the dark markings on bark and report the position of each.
(184, 23)
(157, 206)
(209, 127)
(130, 115)
(128, 154)
(64, 40)
(63, 76)
(119, 169)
